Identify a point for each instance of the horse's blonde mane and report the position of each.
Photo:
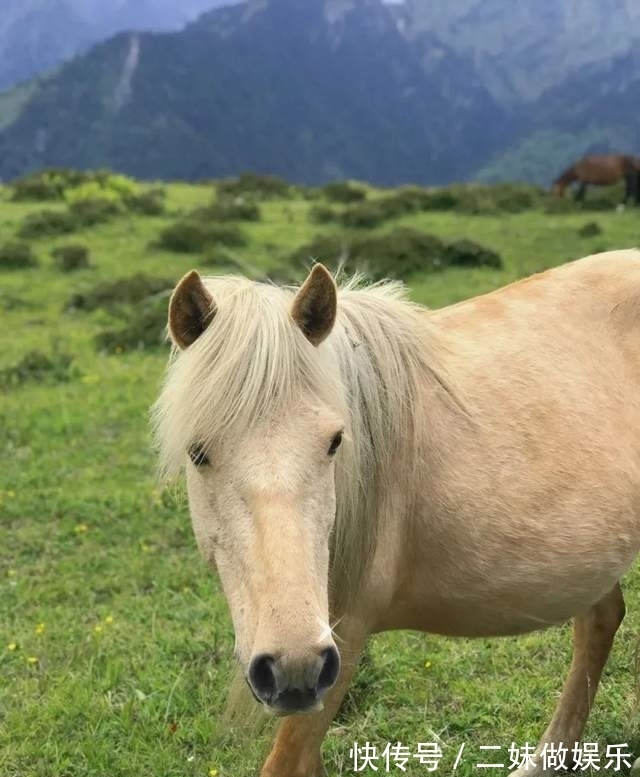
(253, 360)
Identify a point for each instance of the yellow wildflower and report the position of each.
(109, 620)
(213, 772)
(32, 660)
(81, 528)
(97, 628)
(12, 646)
(39, 629)
(427, 664)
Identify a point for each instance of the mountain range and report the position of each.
(314, 90)
(37, 35)
(521, 49)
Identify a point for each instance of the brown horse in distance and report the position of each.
(601, 170)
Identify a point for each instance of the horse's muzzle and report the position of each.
(286, 687)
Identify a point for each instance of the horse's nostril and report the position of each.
(262, 677)
(330, 668)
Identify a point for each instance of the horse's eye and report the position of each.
(335, 444)
(197, 455)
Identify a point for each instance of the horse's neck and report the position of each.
(384, 360)
(569, 176)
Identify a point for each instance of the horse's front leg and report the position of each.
(593, 634)
(296, 749)
(629, 187)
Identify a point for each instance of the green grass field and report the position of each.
(115, 643)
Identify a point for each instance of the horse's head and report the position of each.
(263, 437)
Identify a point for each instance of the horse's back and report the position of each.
(577, 325)
(602, 169)
(593, 285)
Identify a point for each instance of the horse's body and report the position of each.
(488, 483)
(601, 170)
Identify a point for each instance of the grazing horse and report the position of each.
(356, 463)
(602, 170)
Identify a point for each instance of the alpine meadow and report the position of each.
(116, 646)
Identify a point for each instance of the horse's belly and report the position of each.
(513, 592)
(497, 614)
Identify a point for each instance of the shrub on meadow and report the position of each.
(308, 193)
(412, 199)
(35, 189)
(557, 206)
(149, 203)
(48, 184)
(467, 253)
(222, 261)
(114, 188)
(397, 254)
(88, 212)
(227, 210)
(343, 192)
(597, 199)
(191, 236)
(365, 215)
(329, 249)
(322, 214)
(16, 255)
(590, 229)
(479, 199)
(475, 200)
(36, 366)
(56, 183)
(70, 257)
(47, 223)
(144, 327)
(409, 199)
(517, 197)
(603, 200)
(400, 254)
(254, 185)
(111, 294)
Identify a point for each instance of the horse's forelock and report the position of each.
(247, 366)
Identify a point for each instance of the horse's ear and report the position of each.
(191, 310)
(315, 305)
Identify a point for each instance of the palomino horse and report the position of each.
(356, 463)
(601, 170)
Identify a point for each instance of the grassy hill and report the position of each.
(116, 646)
